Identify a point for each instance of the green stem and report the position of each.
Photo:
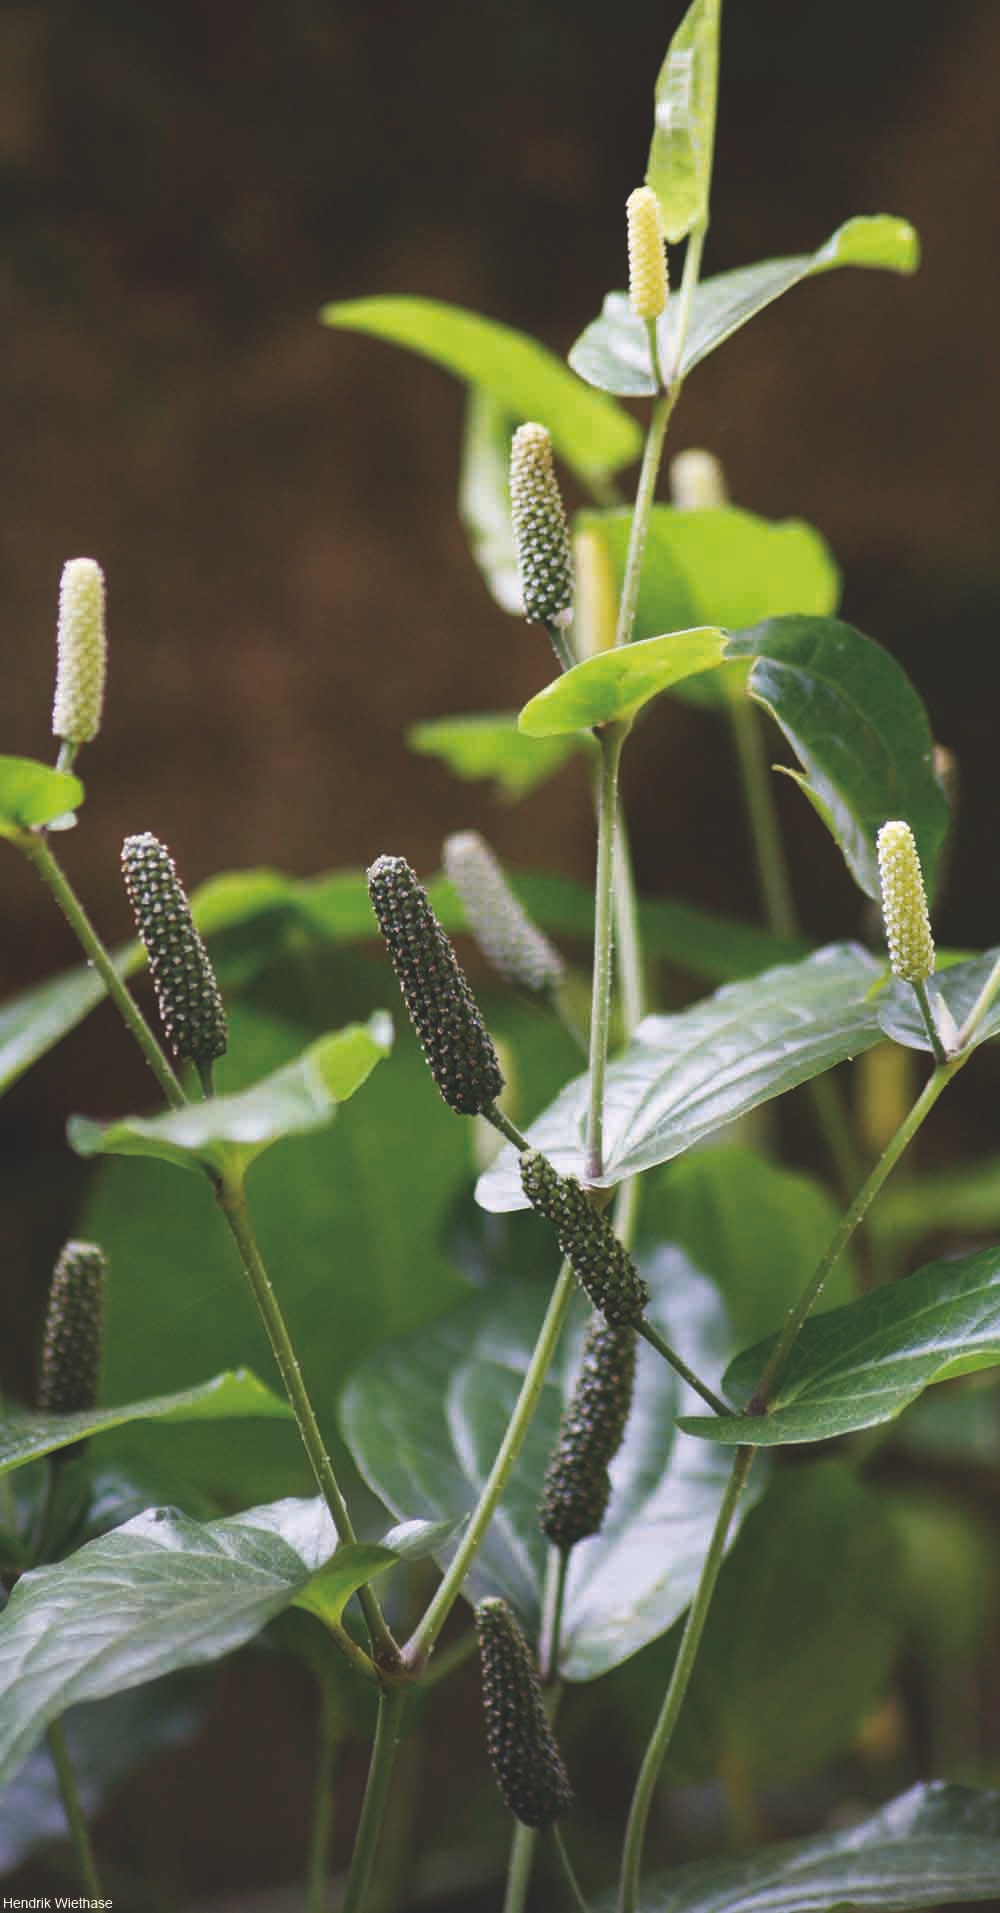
(74, 1811)
(522, 1854)
(611, 740)
(559, 640)
(36, 846)
(628, 1892)
(550, 1643)
(391, 1704)
(645, 493)
(930, 1025)
(419, 1646)
(232, 1201)
(762, 812)
(449, 1658)
(656, 1340)
(322, 1819)
(495, 1115)
(980, 1006)
(559, 1847)
(628, 945)
(689, 282)
(845, 1229)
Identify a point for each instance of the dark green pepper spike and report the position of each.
(601, 1264)
(522, 1748)
(441, 1006)
(74, 1334)
(187, 993)
(577, 1485)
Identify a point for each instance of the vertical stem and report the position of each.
(391, 1703)
(522, 1854)
(322, 1818)
(927, 1012)
(649, 1772)
(628, 945)
(74, 1811)
(572, 1884)
(648, 474)
(611, 740)
(550, 1642)
(232, 1201)
(772, 870)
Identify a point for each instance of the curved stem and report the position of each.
(74, 1811)
(391, 1704)
(232, 1201)
(611, 740)
(656, 1340)
(424, 1636)
(649, 1772)
(36, 846)
(559, 1847)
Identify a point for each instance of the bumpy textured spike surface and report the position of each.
(648, 285)
(601, 1264)
(577, 1485)
(74, 1324)
(442, 1009)
(523, 1753)
(187, 993)
(541, 534)
(81, 652)
(502, 928)
(904, 904)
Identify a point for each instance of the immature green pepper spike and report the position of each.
(522, 1748)
(541, 533)
(501, 926)
(904, 904)
(441, 1006)
(697, 481)
(73, 1337)
(189, 999)
(577, 1485)
(648, 284)
(601, 1264)
(81, 652)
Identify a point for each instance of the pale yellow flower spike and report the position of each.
(648, 284)
(904, 904)
(81, 649)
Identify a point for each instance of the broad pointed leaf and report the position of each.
(616, 684)
(613, 352)
(863, 1364)
(424, 1418)
(25, 1436)
(958, 986)
(32, 794)
(493, 746)
(298, 1097)
(679, 169)
(523, 377)
(858, 729)
(684, 1076)
(933, 1846)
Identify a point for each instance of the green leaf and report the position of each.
(959, 985)
(679, 168)
(613, 352)
(524, 378)
(684, 1076)
(862, 1365)
(859, 731)
(616, 684)
(484, 497)
(424, 1417)
(809, 1602)
(328, 1591)
(300, 1096)
(36, 1021)
(33, 794)
(160, 1593)
(931, 1847)
(493, 747)
(27, 1437)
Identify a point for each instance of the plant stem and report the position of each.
(495, 1115)
(559, 1846)
(391, 1703)
(930, 1025)
(611, 739)
(424, 1636)
(36, 847)
(631, 985)
(690, 1640)
(645, 493)
(522, 1854)
(550, 1641)
(655, 1339)
(559, 640)
(322, 1818)
(232, 1201)
(772, 870)
(689, 282)
(845, 1229)
(980, 1006)
(73, 1809)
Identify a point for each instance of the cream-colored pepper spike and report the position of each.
(81, 648)
(904, 904)
(648, 284)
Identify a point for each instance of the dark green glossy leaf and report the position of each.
(424, 1419)
(32, 794)
(25, 1436)
(616, 684)
(521, 376)
(958, 986)
(863, 1364)
(858, 729)
(933, 1846)
(328, 1591)
(300, 1096)
(684, 1076)
(484, 497)
(613, 352)
(493, 746)
(679, 168)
